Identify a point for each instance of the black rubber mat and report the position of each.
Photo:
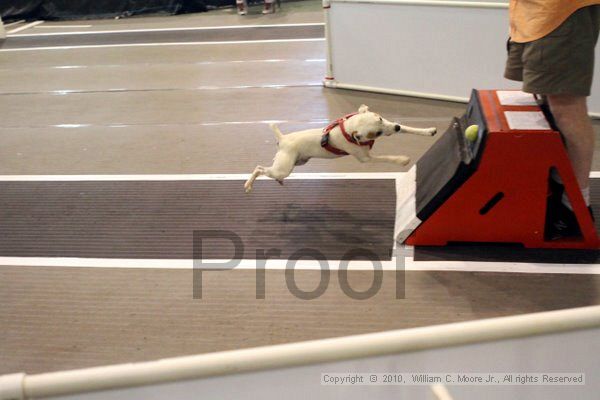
(509, 253)
(209, 35)
(156, 219)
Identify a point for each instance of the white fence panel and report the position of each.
(435, 49)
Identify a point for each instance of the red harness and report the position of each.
(340, 122)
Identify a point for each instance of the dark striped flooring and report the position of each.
(156, 219)
(169, 36)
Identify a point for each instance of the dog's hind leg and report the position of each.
(418, 131)
(258, 171)
(283, 165)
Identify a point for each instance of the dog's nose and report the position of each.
(397, 128)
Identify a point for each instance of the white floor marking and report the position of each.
(60, 27)
(223, 123)
(22, 28)
(507, 267)
(166, 64)
(63, 92)
(104, 46)
(389, 265)
(193, 177)
(197, 28)
(176, 264)
(14, 23)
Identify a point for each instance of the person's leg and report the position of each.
(571, 116)
(269, 7)
(560, 66)
(242, 7)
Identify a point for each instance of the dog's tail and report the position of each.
(278, 134)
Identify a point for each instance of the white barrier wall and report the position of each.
(573, 352)
(435, 49)
(2, 32)
(558, 342)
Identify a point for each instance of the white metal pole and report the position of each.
(12, 387)
(329, 77)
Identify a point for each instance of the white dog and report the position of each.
(353, 135)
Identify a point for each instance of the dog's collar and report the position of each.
(340, 122)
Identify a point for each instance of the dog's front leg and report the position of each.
(418, 131)
(400, 160)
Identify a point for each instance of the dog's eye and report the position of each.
(379, 133)
(380, 119)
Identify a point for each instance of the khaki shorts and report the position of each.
(561, 62)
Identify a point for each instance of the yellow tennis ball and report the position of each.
(472, 132)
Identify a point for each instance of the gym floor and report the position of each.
(127, 103)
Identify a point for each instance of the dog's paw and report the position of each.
(402, 160)
(247, 187)
(432, 131)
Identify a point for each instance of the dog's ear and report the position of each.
(363, 109)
